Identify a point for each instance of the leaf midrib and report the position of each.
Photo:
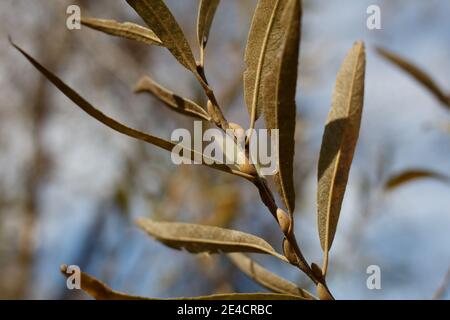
(261, 61)
(280, 169)
(349, 99)
(268, 250)
(219, 242)
(167, 31)
(205, 20)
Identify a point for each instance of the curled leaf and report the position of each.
(207, 10)
(170, 99)
(127, 30)
(407, 176)
(417, 73)
(159, 18)
(339, 143)
(262, 49)
(199, 238)
(279, 98)
(266, 278)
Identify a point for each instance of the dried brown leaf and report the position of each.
(100, 291)
(279, 100)
(263, 45)
(417, 73)
(266, 278)
(199, 238)
(170, 99)
(338, 144)
(159, 18)
(411, 175)
(207, 10)
(246, 296)
(111, 123)
(127, 30)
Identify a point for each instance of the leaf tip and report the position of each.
(360, 46)
(12, 43)
(10, 39)
(63, 268)
(140, 222)
(141, 84)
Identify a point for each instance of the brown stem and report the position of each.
(214, 110)
(293, 253)
(298, 259)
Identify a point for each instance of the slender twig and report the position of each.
(300, 262)
(202, 57)
(295, 256)
(214, 109)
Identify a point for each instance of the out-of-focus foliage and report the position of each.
(70, 189)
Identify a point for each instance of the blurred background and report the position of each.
(70, 187)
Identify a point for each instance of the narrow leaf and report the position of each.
(417, 73)
(170, 99)
(207, 10)
(262, 49)
(159, 18)
(199, 238)
(279, 97)
(100, 291)
(411, 175)
(127, 30)
(246, 296)
(111, 123)
(338, 144)
(266, 278)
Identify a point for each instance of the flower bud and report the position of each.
(284, 220)
(317, 271)
(248, 168)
